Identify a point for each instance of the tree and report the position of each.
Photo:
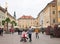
(3, 22)
(13, 23)
(7, 20)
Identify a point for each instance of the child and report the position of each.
(23, 36)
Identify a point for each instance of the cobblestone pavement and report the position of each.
(15, 39)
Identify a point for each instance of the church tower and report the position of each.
(14, 14)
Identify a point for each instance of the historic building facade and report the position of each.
(58, 11)
(50, 14)
(5, 14)
(2, 15)
(26, 21)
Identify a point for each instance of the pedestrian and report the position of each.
(42, 30)
(30, 34)
(37, 32)
(1, 31)
(12, 30)
(51, 32)
(18, 32)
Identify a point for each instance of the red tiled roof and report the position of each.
(26, 17)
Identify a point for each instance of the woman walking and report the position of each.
(37, 33)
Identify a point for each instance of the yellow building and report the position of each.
(26, 21)
(58, 11)
(49, 16)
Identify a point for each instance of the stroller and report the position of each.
(24, 38)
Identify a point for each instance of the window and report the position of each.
(59, 14)
(53, 5)
(20, 25)
(53, 20)
(23, 26)
(37, 23)
(0, 23)
(47, 22)
(53, 12)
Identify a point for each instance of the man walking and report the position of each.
(30, 34)
(1, 31)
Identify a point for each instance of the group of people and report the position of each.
(11, 30)
(28, 35)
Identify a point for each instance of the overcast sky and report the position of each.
(25, 7)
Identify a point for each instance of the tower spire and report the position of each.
(14, 14)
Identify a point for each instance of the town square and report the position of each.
(30, 22)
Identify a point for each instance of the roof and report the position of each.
(52, 2)
(2, 9)
(26, 17)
